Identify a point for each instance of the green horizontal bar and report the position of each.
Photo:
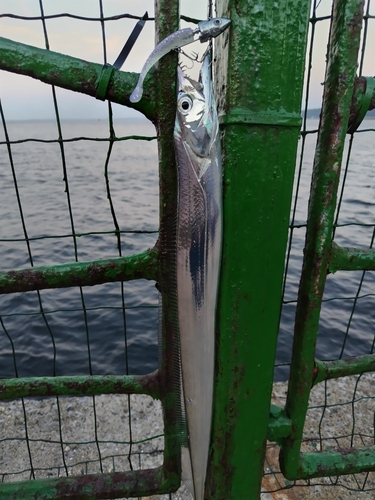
(351, 259)
(91, 486)
(325, 370)
(279, 425)
(335, 463)
(79, 385)
(143, 265)
(73, 74)
(277, 118)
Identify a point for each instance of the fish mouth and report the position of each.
(186, 83)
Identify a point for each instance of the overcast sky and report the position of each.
(25, 98)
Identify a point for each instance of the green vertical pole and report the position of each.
(259, 79)
(167, 18)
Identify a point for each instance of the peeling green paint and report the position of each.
(335, 463)
(89, 487)
(79, 385)
(350, 259)
(325, 370)
(143, 265)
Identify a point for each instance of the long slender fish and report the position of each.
(205, 30)
(199, 228)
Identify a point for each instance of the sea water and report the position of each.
(69, 331)
(346, 326)
(113, 329)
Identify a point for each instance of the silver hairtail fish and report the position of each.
(204, 31)
(199, 229)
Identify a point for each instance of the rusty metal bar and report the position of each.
(167, 21)
(343, 49)
(90, 486)
(143, 265)
(338, 462)
(325, 370)
(351, 259)
(79, 385)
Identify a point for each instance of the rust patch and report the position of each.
(315, 373)
(144, 482)
(346, 451)
(27, 278)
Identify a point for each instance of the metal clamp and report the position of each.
(107, 69)
(365, 104)
(104, 78)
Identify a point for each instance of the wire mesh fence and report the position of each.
(340, 416)
(76, 191)
(84, 190)
(80, 185)
(77, 436)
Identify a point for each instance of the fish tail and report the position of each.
(137, 93)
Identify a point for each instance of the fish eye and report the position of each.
(217, 22)
(185, 104)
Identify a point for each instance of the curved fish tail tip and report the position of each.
(136, 95)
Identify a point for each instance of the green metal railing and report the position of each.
(259, 85)
(339, 87)
(163, 384)
(309, 449)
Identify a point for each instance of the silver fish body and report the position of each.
(199, 232)
(205, 30)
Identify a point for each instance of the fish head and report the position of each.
(212, 28)
(196, 120)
